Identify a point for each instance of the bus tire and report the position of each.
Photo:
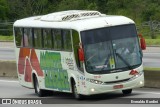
(75, 92)
(128, 91)
(38, 91)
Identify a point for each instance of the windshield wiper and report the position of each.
(126, 62)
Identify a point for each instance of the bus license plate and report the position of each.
(117, 86)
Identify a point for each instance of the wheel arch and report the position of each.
(72, 82)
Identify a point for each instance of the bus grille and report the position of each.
(111, 82)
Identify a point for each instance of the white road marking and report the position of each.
(9, 81)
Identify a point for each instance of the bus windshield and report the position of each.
(111, 49)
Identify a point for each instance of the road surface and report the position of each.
(152, 57)
(12, 89)
(7, 54)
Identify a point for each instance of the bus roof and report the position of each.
(73, 19)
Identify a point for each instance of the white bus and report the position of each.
(80, 52)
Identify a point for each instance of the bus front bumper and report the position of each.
(92, 88)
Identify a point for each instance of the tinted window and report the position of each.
(47, 38)
(37, 38)
(67, 40)
(108, 33)
(19, 36)
(27, 37)
(111, 48)
(57, 39)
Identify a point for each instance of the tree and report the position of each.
(71, 5)
(26, 8)
(102, 5)
(3, 10)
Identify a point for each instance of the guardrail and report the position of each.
(6, 28)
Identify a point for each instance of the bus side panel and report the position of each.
(27, 63)
(53, 69)
(55, 73)
(23, 67)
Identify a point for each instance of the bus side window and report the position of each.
(75, 37)
(28, 37)
(67, 40)
(37, 38)
(47, 39)
(18, 36)
(57, 39)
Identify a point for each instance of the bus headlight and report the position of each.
(94, 81)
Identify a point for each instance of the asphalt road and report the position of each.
(151, 57)
(151, 60)
(7, 54)
(12, 89)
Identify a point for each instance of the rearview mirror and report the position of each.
(81, 54)
(142, 42)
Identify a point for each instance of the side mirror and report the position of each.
(81, 54)
(142, 42)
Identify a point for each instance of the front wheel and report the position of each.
(128, 91)
(75, 92)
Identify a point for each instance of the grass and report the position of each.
(153, 42)
(6, 38)
(151, 69)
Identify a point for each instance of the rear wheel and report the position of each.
(75, 92)
(129, 91)
(38, 91)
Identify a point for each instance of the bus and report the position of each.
(79, 51)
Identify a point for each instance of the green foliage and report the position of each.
(3, 9)
(71, 5)
(153, 42)
(151, 69)
(6, 38)
(138, 10)
(92, 6)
